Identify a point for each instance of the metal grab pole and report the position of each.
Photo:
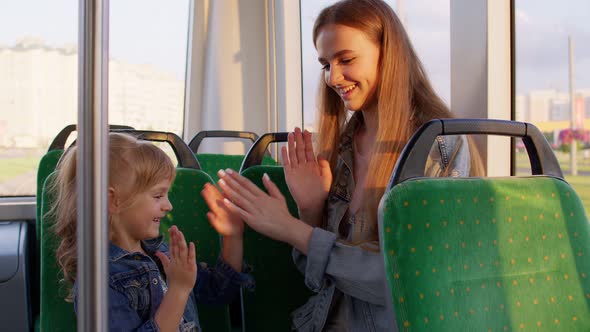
(92, 164)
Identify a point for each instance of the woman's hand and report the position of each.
(309, 179)
(266, 214)
(181, 267)
(225, 222)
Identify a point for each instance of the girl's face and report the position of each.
(350, 63)
(141, 220)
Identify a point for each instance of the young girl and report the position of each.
(152, 286)
(374, 95)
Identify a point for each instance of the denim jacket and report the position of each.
(355, 275)
(137, 286)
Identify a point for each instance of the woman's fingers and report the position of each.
(237, 210)
(285, 159)
(291, 144)
(308, 146)
(241, 184)
(299, 146)
(272, 188)
(236, 193)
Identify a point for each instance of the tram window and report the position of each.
(427, 23)
(39, 76)
(38, 85)
(542, 30)
(148, 62)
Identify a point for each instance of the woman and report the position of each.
(370, 70)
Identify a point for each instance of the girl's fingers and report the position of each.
(211, 196)
(173, 243)
(308, 145)
(299, 147)
(192, 255)
(291, 144)
(182, 249)
(164, 259)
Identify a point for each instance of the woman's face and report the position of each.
(350, 63)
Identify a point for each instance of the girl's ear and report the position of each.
(113, 201)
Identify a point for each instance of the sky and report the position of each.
(147, 31)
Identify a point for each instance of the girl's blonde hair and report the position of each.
(405, 98)
(134, 167)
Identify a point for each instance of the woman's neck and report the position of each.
(367, 133)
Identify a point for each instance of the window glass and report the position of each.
(427, 22)
(39, 76)
(543, 30)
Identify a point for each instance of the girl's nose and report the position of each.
(168, 205)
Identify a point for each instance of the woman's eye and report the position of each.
(347, 60)
(326, 66)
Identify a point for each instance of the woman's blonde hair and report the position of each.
(405, 98)
(134, 167)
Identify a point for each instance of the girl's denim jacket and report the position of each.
(136, 288)
(358, 272)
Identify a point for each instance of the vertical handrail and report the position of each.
(92, 165)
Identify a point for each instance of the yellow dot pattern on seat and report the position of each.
(505, 254)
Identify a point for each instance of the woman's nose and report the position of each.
(333, 76)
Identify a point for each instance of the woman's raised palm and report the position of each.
(309, 179)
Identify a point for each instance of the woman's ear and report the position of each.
(113, 201)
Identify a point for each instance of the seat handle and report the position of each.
(186, 158)
(257, 151)
(412, 160)
(200, 136)
(59, 142)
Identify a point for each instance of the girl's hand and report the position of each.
(309, 179)
(225, 222)
(266, 214)
(181, 267)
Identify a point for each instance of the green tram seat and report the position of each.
(485, 254)
(271, 260)
(47, 165)
(189, 214)
(212, 162)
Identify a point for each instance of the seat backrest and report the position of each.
(189, 214)
(500, 254)
(212, 162)
(55, 313)
(280, 287)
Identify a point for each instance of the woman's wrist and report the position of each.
(298, 234)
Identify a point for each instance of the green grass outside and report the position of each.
(581, 185)
(522, 161)
(13, 167)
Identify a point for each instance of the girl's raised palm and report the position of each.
(181, 267)
(225, 222)
(309, 179)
